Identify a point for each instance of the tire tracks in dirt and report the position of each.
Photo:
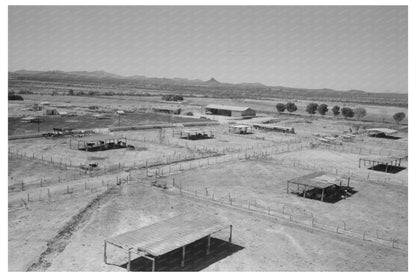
(58, 243)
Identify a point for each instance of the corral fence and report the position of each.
(252, 154)
(286, 213)
(362, 150)
(49, 196)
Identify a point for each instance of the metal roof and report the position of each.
(317, 179)
(382, 130)
(167, 235)
(226, 107)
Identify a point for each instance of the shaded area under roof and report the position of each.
(164, 236)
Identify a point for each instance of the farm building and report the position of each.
(167, 110)
(51, 112)
(194, 134)
(268, 127)
(169, 242)
(232, 111)
(101, 145)
(240, 129)
(321, 186)
(381, 132)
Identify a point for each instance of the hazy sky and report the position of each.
(310, 47)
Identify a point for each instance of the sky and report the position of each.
(337, 47)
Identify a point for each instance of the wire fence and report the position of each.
(363, 150)
(252, 154)
(286, 213)
(69, 192)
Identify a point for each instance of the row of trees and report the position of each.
(322, 109)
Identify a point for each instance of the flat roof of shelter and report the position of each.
(317, 179)
(239, 126)
(167, 235)
(382, 130)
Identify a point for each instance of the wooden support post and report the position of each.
(183, 257)
(209, 244)
(387, 166)
(105, 252)
(129, 262)
(154, 264)
(322, 196)
(359, 163)
(231, 234)
(287, 187)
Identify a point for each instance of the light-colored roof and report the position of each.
(317, 179)
(164, 236)
(28, 118)
(382, 130)
(226, 107)
(269, 126)
(239, 126)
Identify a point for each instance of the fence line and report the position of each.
(49, 196)
(311, 221)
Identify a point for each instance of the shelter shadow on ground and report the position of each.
(388, 169)
(196, 257)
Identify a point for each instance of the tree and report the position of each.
(291, 107)
(280, 107)
(347, 112)
(335, 110)
(323, 109)
(360, 112)
(311, 108)
(399, 117)
(71, 92)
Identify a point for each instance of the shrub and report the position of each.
(280, 107)
(15, 97)
(291, 107)
(347, 112)
(360, 112)
(399, 117)
(190, 113)
(335, 110)
(323, 109)
(311, 108)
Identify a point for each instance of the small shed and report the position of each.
(51, 111)
(240, 129)
(194, 134)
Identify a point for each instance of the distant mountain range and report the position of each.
(105, 75)
(183, 84)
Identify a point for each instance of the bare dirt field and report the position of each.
(265, 245)
(77, 209)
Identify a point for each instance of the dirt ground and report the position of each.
(374, 208)
(267, 245)
(379, 207)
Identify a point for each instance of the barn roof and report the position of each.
(227, 107)
(318, 180)
(164, 236)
